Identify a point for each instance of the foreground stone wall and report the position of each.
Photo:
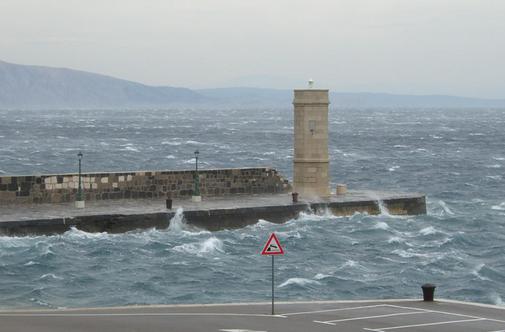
(58, 188)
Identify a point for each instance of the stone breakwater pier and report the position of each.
(213, 213)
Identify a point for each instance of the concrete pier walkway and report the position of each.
(343, 316)
(212, 213)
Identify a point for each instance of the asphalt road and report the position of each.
(394, 315)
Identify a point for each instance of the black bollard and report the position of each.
(428, 292)
(295, 197)
(169, 201)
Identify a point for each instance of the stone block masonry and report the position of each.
(59, 188)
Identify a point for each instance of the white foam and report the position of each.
(50, 276)
(493, 166)
(320, 276)
(262, 223)
(500, 207)
(476, 272)
(381, 225)
(209, 246)
(130, 148)
(428, 230)
(496, 299)
(393, 168)
(30, 263)
(445, 207)
(350, 263)
(79, 234)
(290, 234)
(395, 239)
(177, 223)
(171, 143)
(411, 253)
(499, 158)
(299, 282)
(170, 156)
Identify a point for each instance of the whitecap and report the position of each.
(493, 166)
(189, 161)
(130, 148)
(381, 225)
(400, 146)
(349, 263)
(79, 234)
(262, 223)
(494, 177)
(476, 272)
(178, 225)
(299, 281)
(170, 156)
(428, 230)
(320, 276)
(40, 302)
(30, 263)
(445, 207)
(496, 299)
(395, 239)
(477, 134)
(209, 246)
(50, 276)
(393, 168)
(500, 207)
(411, 253)
(171, 143)
(322, 215)
(499, 158)
(290, 234)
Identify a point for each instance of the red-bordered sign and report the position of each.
(273, 246)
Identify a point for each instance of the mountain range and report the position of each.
(37, 87)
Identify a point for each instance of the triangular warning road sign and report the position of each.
(273, 246)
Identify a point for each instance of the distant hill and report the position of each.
(36, 87)
(236, 97)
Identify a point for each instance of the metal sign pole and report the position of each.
(273, 285)
(272, 247)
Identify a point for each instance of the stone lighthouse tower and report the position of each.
(311, 164)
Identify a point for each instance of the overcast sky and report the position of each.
(454, 47)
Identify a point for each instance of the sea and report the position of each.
(455, 156)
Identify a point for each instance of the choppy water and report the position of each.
(457, 157)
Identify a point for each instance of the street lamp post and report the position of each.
(79, 203)
(196, 193)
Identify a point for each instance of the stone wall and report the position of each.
(57, 188)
